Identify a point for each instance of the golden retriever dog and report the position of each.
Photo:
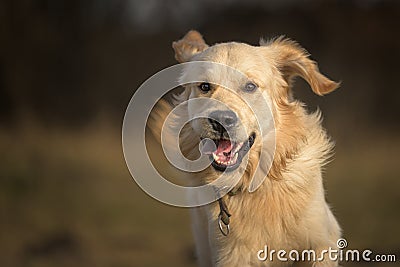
(287, 210)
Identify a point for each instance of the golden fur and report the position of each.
(288, 211)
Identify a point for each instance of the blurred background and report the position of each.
(68, 69)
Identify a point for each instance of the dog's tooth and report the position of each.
(216, 157)
(234, 150)
(235, 157)
(238, 147)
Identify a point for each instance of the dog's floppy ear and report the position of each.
(293, 61)
(192, 43)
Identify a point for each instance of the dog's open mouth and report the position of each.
(229, 154)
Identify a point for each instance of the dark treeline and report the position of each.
(66, 62)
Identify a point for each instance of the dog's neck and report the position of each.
(300, 172)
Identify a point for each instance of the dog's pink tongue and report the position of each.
(224, 146)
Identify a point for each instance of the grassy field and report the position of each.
(67, 199)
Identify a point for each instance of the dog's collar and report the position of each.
(234, 191)
(224, 215)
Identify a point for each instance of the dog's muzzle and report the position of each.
(227, 154)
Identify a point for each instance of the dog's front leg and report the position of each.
(200, 229)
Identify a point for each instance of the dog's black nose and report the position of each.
(222, 119)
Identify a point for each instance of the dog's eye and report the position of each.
(205, 87)
(250, 87)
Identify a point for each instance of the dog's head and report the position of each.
(245, 79)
